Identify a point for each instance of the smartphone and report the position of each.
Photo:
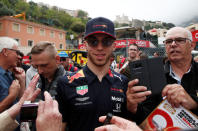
(28, 112)
(150, 73)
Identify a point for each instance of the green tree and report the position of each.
(77, 27)
(4, 10)
(82, 14)
(21, 6)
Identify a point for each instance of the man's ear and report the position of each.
(57, 59)
(4, 52)
(193, 44)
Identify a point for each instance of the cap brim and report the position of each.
(99, 32)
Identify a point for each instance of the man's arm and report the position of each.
(7, 118)
(13, 93)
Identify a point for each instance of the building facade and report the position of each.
(29, 33)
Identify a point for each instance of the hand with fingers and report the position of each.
(19, 74)
(135, 95)
(48, 116)
(14, 89)
(118, 124)
(30, 94)
(176, 96)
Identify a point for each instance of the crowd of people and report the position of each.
(78, 99)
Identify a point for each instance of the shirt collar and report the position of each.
(175, 76)
(91, 76)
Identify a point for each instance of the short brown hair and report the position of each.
(44, 46)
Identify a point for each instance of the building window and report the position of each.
(61, 46)
(16, 27)
(52, 34)
(30, 43)
(60, 35)
(1, 26)
(30, 30)
(18, 41)
(42, 32)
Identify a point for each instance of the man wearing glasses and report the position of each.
(95, 90)
(12, 84)
(181, 73)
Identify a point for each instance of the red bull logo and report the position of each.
(76, 76)
(104, 26)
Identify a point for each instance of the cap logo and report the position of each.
(104, 26)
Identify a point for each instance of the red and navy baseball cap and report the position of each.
(100, 25)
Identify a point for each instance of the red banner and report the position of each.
(81, 46)
(140, 43)
(123, 43)
(120, 43)
(195, 35)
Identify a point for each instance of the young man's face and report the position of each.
(132, 51)
(64, 61)
(99, 48)
(45, 63)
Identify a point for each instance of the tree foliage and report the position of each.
(44, 15)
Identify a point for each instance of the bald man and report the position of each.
(181, 73)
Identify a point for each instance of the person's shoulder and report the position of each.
(119, 76)
(70, 77)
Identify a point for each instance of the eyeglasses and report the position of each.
(17, 51)
(106, 42)
(176, 40)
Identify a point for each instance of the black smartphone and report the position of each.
(150, 73)
(28, 112)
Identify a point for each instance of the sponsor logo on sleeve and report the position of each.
(76, 76)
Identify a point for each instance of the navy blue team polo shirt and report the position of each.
(83, 98)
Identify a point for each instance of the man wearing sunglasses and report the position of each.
(181, 73)
(94, 90)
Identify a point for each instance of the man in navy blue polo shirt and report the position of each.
(95, 90)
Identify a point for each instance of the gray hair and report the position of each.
(189, 35)
(7, 42)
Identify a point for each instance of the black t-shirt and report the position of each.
(83, 98)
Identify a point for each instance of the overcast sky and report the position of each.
(175, 11)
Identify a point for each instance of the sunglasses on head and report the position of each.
(93, 41)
